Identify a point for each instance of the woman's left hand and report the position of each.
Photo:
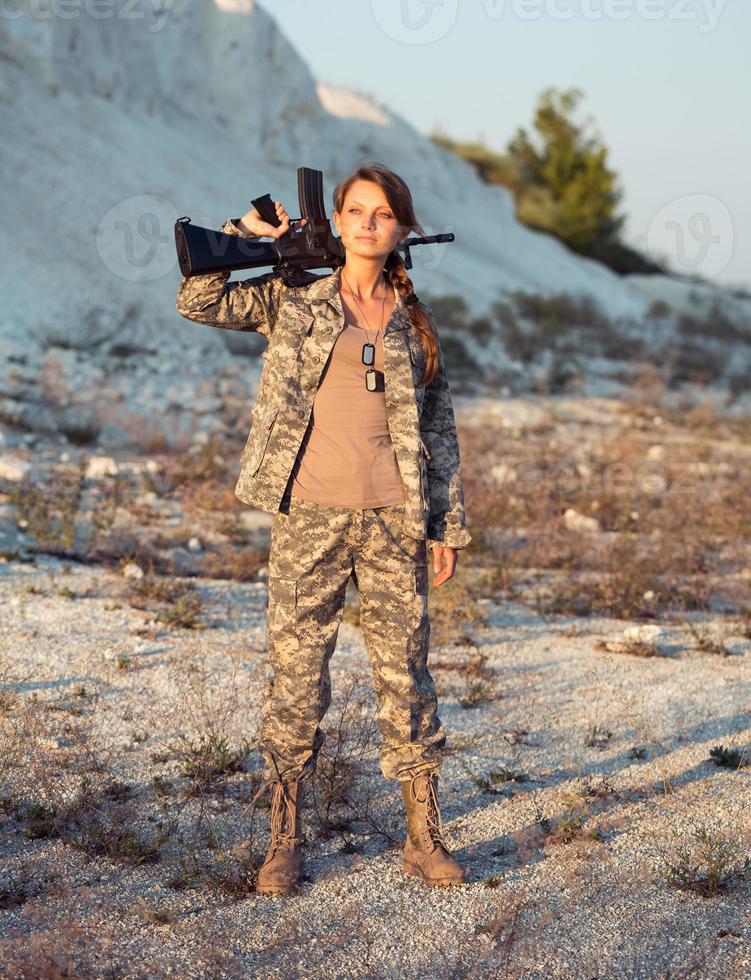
(444, 563)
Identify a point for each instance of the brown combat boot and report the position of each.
(425, 853)
(281, 871)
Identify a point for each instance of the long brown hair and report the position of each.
(400, 201)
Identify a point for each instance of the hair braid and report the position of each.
(396, 272)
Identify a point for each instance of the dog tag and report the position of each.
(368, 354)
(370, 380)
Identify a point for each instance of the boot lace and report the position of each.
(283, 835)
(282, 805)
(433, 819)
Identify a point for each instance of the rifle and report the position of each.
(311, 246)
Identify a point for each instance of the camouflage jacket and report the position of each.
(301, 324)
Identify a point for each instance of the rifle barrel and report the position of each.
(428, 240)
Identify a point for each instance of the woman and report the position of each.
(353, 449)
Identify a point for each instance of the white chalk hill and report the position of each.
(113, 127)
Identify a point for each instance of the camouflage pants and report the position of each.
(314, 552)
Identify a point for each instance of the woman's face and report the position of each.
(366, 224)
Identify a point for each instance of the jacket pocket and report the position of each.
(258, 439)
(295, 326)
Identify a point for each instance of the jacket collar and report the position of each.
(326, 290)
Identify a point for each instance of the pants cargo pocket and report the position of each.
(282, 612)
(421, 578)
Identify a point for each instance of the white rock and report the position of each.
(13, 468)
(575, 521)
(650, 482)
(101, 466)
(53, 742)
(503, 473)
(131, 570)
(644, 633)
(195, 545)
(251, 520)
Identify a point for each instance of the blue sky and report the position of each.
(666, 82)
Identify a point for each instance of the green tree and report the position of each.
(567, 187)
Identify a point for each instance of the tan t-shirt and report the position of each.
(347, 458)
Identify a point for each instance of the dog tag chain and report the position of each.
(368, 349)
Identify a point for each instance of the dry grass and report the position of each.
(706, 859)
(672, 534)
(341, 800)
(174, 603)
(60, 775)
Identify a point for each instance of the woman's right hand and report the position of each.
(252, 223)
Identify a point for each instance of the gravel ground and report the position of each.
(540, 903)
